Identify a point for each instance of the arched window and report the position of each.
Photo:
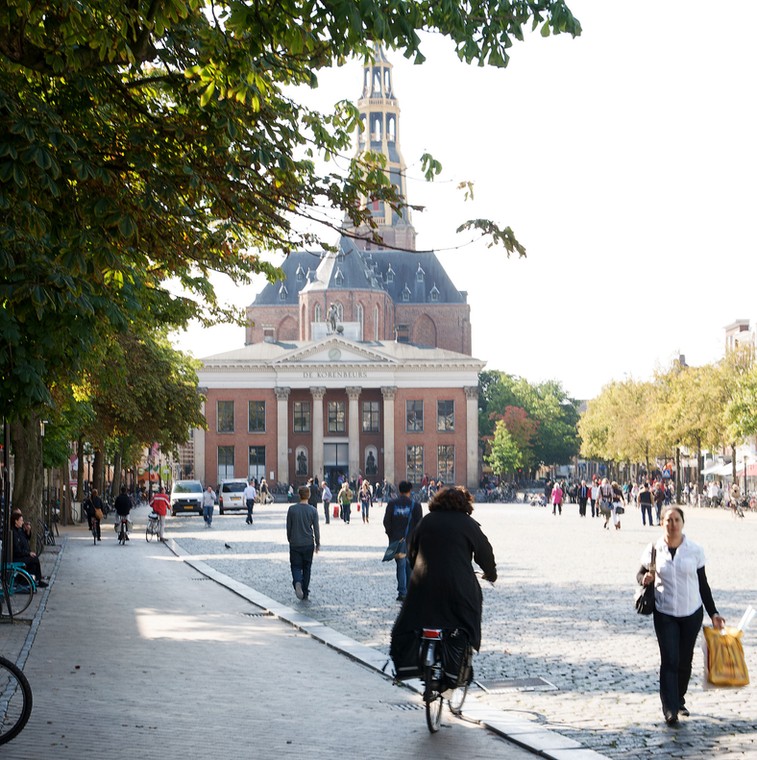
(317, 313)
(360, 319)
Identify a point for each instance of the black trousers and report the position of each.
(676, 637)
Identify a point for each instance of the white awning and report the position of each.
(718, 469)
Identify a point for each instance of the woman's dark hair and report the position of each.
(16, 514)
(672, 508)
(457, 499)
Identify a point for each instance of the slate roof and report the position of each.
(407, 276)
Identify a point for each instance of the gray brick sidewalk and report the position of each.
(561, 611)
(133, 652)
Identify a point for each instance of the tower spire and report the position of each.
(380, 117)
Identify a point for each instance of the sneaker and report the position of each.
(683, 711)
(41, 584)
(299, 593)
(401, 597)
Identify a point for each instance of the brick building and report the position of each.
(357, 362)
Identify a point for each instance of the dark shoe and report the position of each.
(671, 718)
(299, 593)
(401, 597)
(683, 711)
(41, 584)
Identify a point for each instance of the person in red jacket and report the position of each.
(160, 505)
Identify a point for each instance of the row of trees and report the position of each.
(525, 426)
(708, 408)
(144, 145)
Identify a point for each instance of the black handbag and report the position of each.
(644, 600)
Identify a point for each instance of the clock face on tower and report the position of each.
(335, 354)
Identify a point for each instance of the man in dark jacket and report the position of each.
(400, 518)
(304, 538)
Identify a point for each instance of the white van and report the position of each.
(231, 495)
(186, 496)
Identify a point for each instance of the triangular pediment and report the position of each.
(335, 351)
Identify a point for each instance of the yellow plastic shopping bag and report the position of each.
(724, 662)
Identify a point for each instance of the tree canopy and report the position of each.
(143, 143)
(541, 419)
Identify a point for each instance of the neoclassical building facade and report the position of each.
(356, 362)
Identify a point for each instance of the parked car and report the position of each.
(186, 496)
(231, 496)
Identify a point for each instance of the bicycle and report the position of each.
(153, 527)
(15, 700)
(444, 675)
(93, 528)
(19, 584)
(122, 528)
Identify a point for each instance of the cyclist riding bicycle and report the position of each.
(444, 591)
(123, 507)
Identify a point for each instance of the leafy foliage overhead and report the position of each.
(146, 142)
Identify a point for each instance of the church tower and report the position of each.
(380, 133)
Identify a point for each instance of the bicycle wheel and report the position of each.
(122, 534)
(433, 699)
(21, 588)
(150, 530)
(457, 698)
(15, 700)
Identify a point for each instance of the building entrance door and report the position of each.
(335, 463)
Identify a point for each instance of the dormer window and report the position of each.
(339, 277)
(300, 274)
(406, 294)
(283, 293)
(434, 293)
(390, 274)
(420, 274)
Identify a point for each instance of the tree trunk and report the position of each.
(97, 474)
(27, 484)
(117, 463)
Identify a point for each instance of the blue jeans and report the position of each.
(207, 514)
(676, 637)
(646, 513)
(250, 505)
(301, 560)
(403, 575)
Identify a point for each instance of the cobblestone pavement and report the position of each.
(561, 611)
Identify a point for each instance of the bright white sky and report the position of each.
(625, 160)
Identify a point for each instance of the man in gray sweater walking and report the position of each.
(304, 537)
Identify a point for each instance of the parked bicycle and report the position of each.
(17, 590)
(15, 700)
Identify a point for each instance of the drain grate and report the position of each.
(509, 684)
(257, 614)
(203, 578)
(404, 706)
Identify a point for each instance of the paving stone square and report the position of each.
(562, 611)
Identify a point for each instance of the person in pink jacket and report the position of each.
(557, 497)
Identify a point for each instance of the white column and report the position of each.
(471, 436)
(198, 446)
(353, 431)
(282, 434)
(316, 457)
(389, 393)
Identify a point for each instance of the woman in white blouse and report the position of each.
(681, 589)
